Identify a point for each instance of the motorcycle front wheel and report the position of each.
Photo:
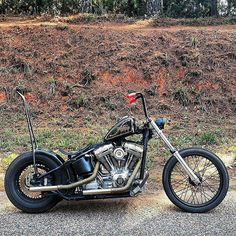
(17, 182)
(187, 195)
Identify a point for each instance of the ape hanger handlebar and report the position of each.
(133, 97)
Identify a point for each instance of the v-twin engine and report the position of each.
(117, 164)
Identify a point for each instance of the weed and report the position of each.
(202, 21)
(208, 138)
(182, 140)
(4, 70)
(110, 105)
(87, 77)
(184, 60)
(67, 89)
(152, 91)
(52, 87)
(164, 58)
(5, 161)
(231, 55)
(83, 100)
(79, 101)
(194, 73)
(90, 18)
(176, 126)
(182, 96)
(21, 87)
(19, 65)
(194, 42)
(7, 138)
(62, 27)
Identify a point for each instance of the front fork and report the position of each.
(175, 152)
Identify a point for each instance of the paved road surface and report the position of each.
(147, 214)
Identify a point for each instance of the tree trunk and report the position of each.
(130, 7)
(154, 7)
(2, 7)
(86, 6)
(141, 9)
(229, 6)
(214, 10)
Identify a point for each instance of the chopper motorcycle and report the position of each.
(194, 179)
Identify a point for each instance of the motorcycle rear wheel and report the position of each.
(184, 193)
(16, 186)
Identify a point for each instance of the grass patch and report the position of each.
(182, 96)
(208, 138)
(74, 139)
(51, 139)
(211, 137)
(6, 161)
(62, 27)
(165, 21)
(94, 18)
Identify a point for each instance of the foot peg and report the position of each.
(138, 188)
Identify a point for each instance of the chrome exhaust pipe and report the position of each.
(115, 190)
(67, 186)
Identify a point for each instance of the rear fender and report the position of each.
(49, 154)
(66, 173)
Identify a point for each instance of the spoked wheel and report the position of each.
(185, 193)
(27, 175)
(19, 177)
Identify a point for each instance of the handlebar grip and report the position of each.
(132, 100)
(132, 97)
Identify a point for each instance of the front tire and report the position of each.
(16, 188)
(184, 193)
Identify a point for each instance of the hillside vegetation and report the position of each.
(76, 77)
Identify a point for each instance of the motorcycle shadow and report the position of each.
(150, 202)
(86, 206)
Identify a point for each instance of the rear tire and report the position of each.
(16, 187)
(184, 193)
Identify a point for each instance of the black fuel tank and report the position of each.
(122, 128)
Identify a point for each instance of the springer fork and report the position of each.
(175, 152)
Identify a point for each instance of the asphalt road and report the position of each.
(147, 214)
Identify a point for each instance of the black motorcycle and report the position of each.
(194, 179)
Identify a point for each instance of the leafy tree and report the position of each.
(171, 8)
(231, 7)
(187, 8)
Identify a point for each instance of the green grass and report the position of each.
(211, 137)
(6, 160)
(201, 21)
(62, 27)
(49, 139)
(95, 18)
(74, 139)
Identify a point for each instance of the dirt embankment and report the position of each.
(85, 71)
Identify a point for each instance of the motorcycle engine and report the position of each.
(117, 164)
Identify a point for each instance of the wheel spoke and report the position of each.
(24, 181)
(186, 190)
